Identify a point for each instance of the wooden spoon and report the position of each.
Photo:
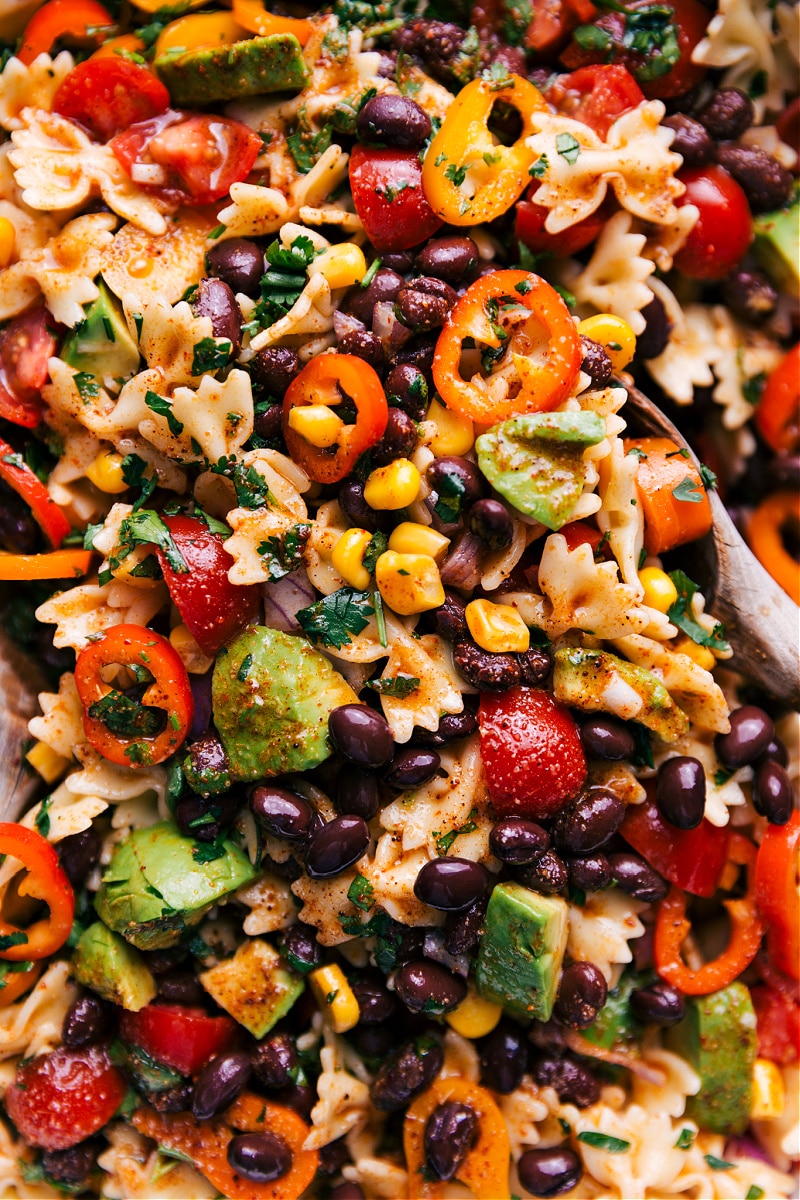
(762, 623)
(19, 684)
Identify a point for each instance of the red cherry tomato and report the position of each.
(778, 412)
(578, 533)
(691, 858)
(531, 752)
(62, 1098)
(201, 156)
(387, 192)
(183, 1038)
(596, 95)
(211, 607)
(26, 344)
(724, 228)
(108, 95)
(778, 1019)
(552, 22)
(532, 233)
(778, 892)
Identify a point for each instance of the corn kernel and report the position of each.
(8, 241)
(335, 998)
(497, 627)
(474, 1017)
(698, 654)
(342, 266)
(410, 538)
(614, 335)
(659, 590)
(197, 32)
(46, 762)
(769, 1091)
(105, 472)
(348, 557)
(317, 423)
(453, 434)
(192, 657)
(392, 487)
(409, 583)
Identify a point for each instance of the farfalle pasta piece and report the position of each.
(33, 1025)
(523, 1110)
(329, 526)
(739, 38)
(215, 420)
(63, 270)
(59, 167)
(723, 789)
(99, 777)
(651, 1162)
(578, 167)
(613, 280)
(742, 355)
(84, 611)
(30, 86)
(692, 687)
(343, 1103)
(61, 724)
(621, 515)
(600, 929)
(134, 1169)
(143, 265)
(256, 211)
(271, 904)
(438, 693)
(312, 313)
(680, 1082)
(691, 352)
(67, 814)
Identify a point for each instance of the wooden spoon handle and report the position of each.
(18, 703)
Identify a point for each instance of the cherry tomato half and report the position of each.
(778, 412)
(26, 344)
(778, 1019)
(183, 1038)
(724, 228)
(60, 1099)
(596, 95)
(532, 233)
(108, 95)
(387, 192)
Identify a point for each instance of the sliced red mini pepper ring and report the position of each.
(327, 380)
(464, 147)
(83, 20)
(546, 347)
(45, 881)
(124, 731)
(17, 474)
(778, 892)
(747, 929)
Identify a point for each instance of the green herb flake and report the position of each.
(568, 147)
(283, 554)
(444, 841)
(87, 386)
(133, 475)
(685, 1139)
(211, 354)
(708, 477)
(206, 852)
(689, 491)
(455, 174)
(142, 528)
(163, 408)
(680, 614)
(331, 620)
(718, 1164)
(449, 498)
(216, 232)
(43, 817)
(397, 686)
(722, 775)
(377, 545)
(307, 147)
(244, 668)
(604, 1141)
(539, 168)
(361, 893)
(755, 1193)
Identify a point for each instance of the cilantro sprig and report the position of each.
(331, 620)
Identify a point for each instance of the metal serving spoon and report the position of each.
(762, 623)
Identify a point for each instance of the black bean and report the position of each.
(596, 362)
(400, 261)
(411, 767)
(607, 738)
(364, 345)
(259, 1157)
(395, 120)
(177, 1098)
(450, 1133)
(785, 470)
(582, 992)
(86, 1021)
(490, 521)
(406, 1073)
(636, 877)
(439, 45)
(219, 1083)
(653, 339)
(268, 422)
(300, 947)
(547, 875)
(456, 477)
(535, 665)
(359, 302)
(357, 793)
(71, 1168)
(589, 821)
(776, 750)
(772, 792)
(274, 1061)
(426, 987)
(216, 301)
(751, 732)
(355, 507)
(549, 1172)
(452, 258)
(375, 1002)
(727, 115)
(205, 819)
(336, 846)
(181, 987)
(407, 389)
(333, 1156)
(450, 884)
(78, 855)
(399, 439)
(463, 929)
(571, 1079)
(681, 791)
(282, 813)
(766, 184)
(419, 352)
(347, 1191)
(517, 840)
(590, 872)
(288, 868)
(484, 670)
(239, 263)
(161, 962)
(424, 303)
(206, 766)
(658, 1004)
(374, 1042)
(301, 1097)
(451, 727)
(691, 140)
(749, 295)
(361, 735)
(274, 369)
(449, 620)
(19, 533)
(504, 1058)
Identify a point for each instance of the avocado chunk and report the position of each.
(777, 244)
(272, 695)
(615, 1024)
(255, 986)
(102, 345)
(718, 1037)
(104, 962)
(536, 461)
(155, 887)
(596, 681)
(248, 68)
(520, 954)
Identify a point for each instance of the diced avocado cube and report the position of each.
(536, 461)
(520, 954)
(777, 244)
(615, 1024)
(718, 1037)
(255, 986)
(155, 888)
(272, 696)
(249, 68)
(102, 345)
(104, 962)
(596, 681)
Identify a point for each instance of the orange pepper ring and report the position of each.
(747, 929)
(764, 536)
(46, 881)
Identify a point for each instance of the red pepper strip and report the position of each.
(60, 18)
(546, 347)
(60, 564)
(45, 881)
(747, 929)
(17, 474)
(778, 893)
(134, 646)
(778, 412)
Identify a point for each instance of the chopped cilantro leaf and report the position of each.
(604, 1141)
(331, 620)
(361, 893)
(568, 147)
(284, 554)
(680, 614)
(398, 686)
(211, 354)
(688, 491)
(163, 407)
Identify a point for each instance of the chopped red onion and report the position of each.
(201, 694)
(282, 600)
(462, 567)
(344, 323)
(387, 326)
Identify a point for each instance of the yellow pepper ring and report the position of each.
(464, 146)
(764, 535)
